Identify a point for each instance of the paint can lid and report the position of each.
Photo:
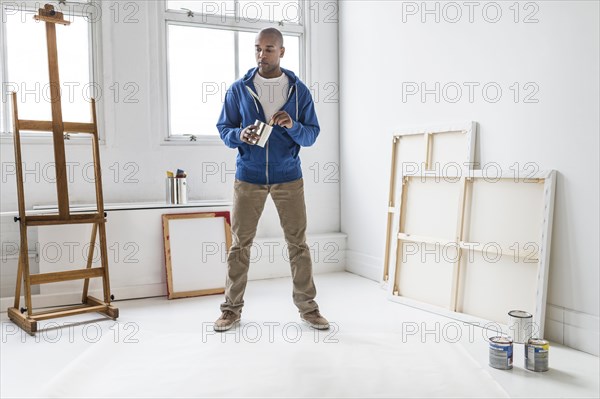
(501, 340)
(521, 314)
(537, 342)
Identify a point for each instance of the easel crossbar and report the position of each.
(68, 127)
(54, 277)
(66, 311)
(41, 220)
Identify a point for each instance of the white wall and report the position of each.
(559, 54)
(133, 159)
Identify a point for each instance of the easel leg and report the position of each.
(111, 312)
(86, 283)
(24, 256)
(19, 282)
(23, 266)
(104, 260)
(14, 313)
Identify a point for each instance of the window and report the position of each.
(25, 66)
(210, 44)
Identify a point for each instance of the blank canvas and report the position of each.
(501, 225)
(196, 246)
(430, 207)
(441, 148)
(426, 265)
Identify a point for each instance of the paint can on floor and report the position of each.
(536, 354)
(501, 353)
(521, 325)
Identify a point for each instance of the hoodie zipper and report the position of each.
(254, 98)
(267, 169)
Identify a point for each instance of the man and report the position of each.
(273, 95)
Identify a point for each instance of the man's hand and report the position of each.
(248, 135)
(283, 119)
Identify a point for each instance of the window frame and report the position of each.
(182, 17)
(93, 10)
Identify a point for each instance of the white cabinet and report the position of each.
(134, 237)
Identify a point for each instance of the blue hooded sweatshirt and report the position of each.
(278, 161)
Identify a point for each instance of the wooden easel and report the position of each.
(25, 317)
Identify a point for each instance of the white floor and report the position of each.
(377, 348)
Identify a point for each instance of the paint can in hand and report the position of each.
(536, 354)
(263, 130)
(501, 353)
(521, 325)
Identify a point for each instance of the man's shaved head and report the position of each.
(269, 49)
(272, 32)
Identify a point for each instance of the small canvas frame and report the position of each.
(196, 246)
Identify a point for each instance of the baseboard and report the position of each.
(268, 260)
(574, 329)
(364, 265)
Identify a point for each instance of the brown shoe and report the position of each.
(227, 320)
(315, 320)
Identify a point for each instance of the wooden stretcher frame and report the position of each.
(547, 178)
(171, 292)
(429, 135)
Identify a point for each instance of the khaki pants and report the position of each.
(248, 204)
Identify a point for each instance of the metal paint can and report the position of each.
(501, 353)
(536, 354)
(176, 190)
(171, 190)
(521, 325)
(263, 130)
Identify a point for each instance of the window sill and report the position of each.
(186, 141)
(46, 139)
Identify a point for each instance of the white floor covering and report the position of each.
(377, 348)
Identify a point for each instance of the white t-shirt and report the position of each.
(272, 93)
